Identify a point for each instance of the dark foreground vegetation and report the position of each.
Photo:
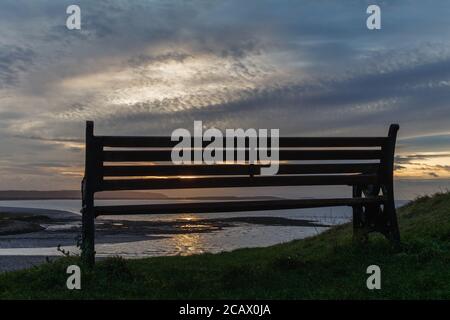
(327, 266)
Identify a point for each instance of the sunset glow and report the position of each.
(228, 70)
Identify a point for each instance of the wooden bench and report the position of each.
(144, 163)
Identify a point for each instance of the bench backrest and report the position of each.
(144, 163)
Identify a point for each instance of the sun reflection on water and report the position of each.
(189, 217)
(187, 244)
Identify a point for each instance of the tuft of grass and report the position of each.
(326, 266)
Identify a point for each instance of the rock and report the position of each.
(8, 227)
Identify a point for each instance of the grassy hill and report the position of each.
(327, 266)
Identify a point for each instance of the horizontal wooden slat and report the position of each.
(284, 142)
(165, 155)
(179, 170)
(332, 142)
(232, 206)
(232, 182)
(202, 170)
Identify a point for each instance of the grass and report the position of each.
(327, 266)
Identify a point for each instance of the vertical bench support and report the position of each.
(374, 217)
(88, 190)
(359, 232)
(392, 231)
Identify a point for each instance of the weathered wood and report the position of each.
(388, 187)
(359, 234)
(365, 163)
(166, 155)
(235, 182)
(233, 206)
(236, 170)
(88, 190)
(284, 142)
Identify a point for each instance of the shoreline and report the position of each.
(42, 230)
(310, 268)
(48, 217)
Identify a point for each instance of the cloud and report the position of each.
(422, 165)
(432, 174)
(14, 61)
(419, 157)
(148, 67)
(444, 167)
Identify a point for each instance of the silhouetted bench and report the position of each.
(365, 163)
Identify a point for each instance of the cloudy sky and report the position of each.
(147, 67)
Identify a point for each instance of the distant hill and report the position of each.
(125, 195)
(75, 194)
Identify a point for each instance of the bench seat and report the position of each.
(233, 206)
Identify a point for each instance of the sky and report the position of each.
(143, 67)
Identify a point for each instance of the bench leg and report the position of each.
(359, 231)
(392, 230)
(88, 237)
(383, 219)
(373, 217)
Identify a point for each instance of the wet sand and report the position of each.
(40, 228)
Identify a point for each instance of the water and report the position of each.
(226, 239)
